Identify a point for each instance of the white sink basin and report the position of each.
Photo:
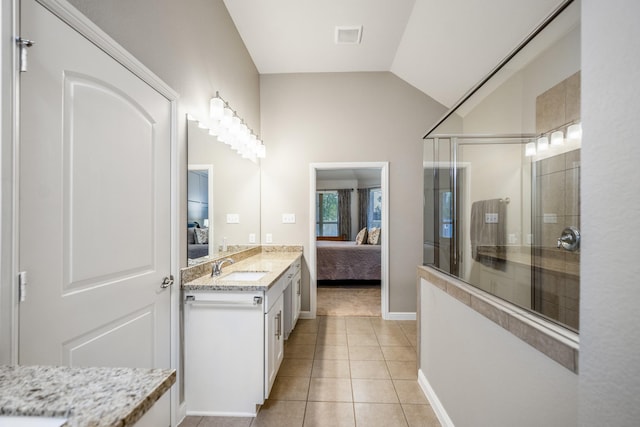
(245, 276)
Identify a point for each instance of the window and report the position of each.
(327, 213)
(374, 215)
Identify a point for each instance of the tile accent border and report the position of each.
(552, 340)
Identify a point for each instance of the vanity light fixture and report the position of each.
(229, 128)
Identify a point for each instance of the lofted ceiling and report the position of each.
(441, 47)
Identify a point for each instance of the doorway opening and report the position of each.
(348, 262)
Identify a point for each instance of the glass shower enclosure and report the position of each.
(502, 179)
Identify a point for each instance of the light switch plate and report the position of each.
(233, 219)
(288, 218)
(491, 218)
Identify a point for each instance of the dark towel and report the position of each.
(489, 237)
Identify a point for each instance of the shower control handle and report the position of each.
(570, 239)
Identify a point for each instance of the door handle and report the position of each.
(166, 282)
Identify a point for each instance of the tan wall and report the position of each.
(347, 117)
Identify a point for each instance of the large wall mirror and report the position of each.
(223, 198)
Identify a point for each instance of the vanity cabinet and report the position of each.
(234, 343)
(292, 296)
(274, 343)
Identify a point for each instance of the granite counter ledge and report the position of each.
(96, 397)
(274, 263)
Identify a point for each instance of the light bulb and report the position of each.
(574, 132)
(216, 108)
(530, 149)
(557, 138)
(543, 143)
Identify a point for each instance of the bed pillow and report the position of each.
(202, 235)
(361, 238)
(374, 236)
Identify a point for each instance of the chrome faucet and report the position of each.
(216, 267)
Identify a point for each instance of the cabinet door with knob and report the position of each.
(274, 343)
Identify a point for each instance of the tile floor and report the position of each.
(343, 371)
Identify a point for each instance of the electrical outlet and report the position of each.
(288, 218)
(268, 238)
(252, 237)
(233, 219)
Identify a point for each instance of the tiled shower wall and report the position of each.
(556, 273)
(557, 189)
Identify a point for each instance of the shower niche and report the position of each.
(502, 179)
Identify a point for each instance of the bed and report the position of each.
(346, 260)
(194, 249)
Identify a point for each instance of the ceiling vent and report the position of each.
(349, 35)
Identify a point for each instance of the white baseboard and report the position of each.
(306, 315)
(182, 412)
(441, 413)
(401, 316)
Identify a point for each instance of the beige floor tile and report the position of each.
(331, 339)
(295, 368)
(413, 339)
(190, 421)
(362, 339)
(332, 328)
(365, 353)
(385, 326)
(330, 390)
(409, 392)
(306, 326)
(420, 416)
(225, 422)
(276, 413)
(399, 353)
(359, 325)
(334, 414)
(301, 339)
(379, 415)
(299, 351)
(374, 391)
(369, 369)
(398, 340)
(336, 352)
(327, 368)
(290, 388)
(400, 370)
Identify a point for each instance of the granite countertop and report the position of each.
(96, 397)
(274, 263)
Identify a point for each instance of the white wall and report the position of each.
(485, 376)
(346, 117)
(610, 271)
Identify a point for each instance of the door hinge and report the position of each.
(23, 44)
(22, 286)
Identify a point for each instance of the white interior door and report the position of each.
(94, 207)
